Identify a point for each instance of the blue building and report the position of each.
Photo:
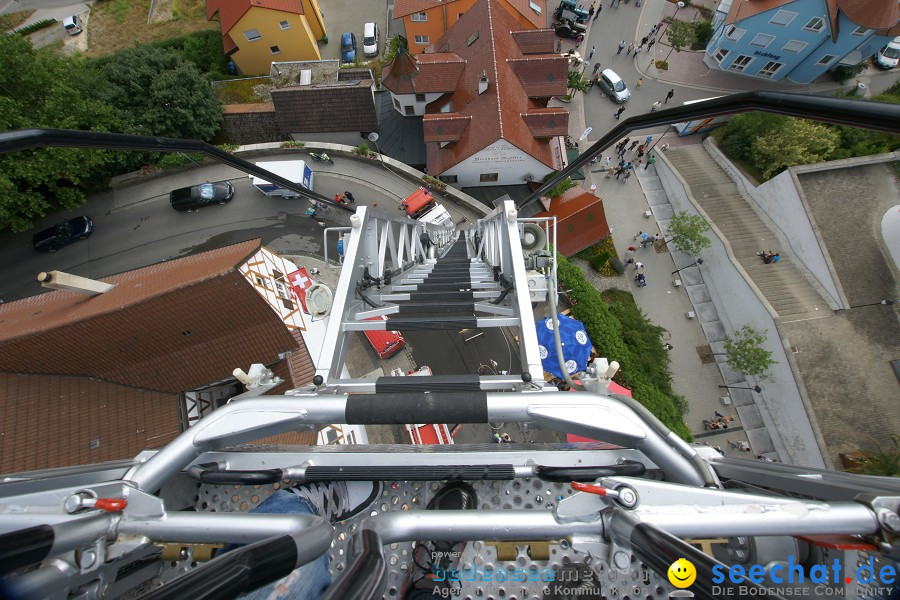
(798, 40)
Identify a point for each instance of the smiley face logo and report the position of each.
(682, 573)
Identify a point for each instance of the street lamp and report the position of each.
(678, 7)
(755, 388)
(881, 303)
(697, 263)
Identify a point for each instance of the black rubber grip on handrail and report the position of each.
(364, 578)
(398, 409)
(235, 573)
(260, 477)
(418, 473)
(25, 547)
(630, 468)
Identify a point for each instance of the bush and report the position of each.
(703, 31)
(616, 265)
(434, 182)
(843, 73)
(362, 150)
(598, 261)
(560, 188)
(619, 331)
(662, 65)
(36, 26)
(292, 144)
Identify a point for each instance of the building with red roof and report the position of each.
(483, 89)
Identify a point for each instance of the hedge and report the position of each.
(36, 26)
(621, 333)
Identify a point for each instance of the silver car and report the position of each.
(613, 85)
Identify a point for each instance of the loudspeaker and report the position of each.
(534, 237)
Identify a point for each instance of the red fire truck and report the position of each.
(385, 343)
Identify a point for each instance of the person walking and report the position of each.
(633, 144)
(656, 106)
(593, 188)
(621, 47)
(623, 143)
(630, 48)
(591, 11)
(651, 160)
(627, 175)
(640, 152)
(640, 148)
(653, 30)
(628, 166)
(619, 171)
(619, 112)
(648, 139)
(350, 197)
(591, 53)
(640, 82)
(609, 172)
(644, 40)
(637, 51)
(669, 95)
(606, 162)
(650, 44)
(638, 265)
(596, 68)
(597, 14)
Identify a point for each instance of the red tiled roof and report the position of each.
(168, 327)
(49, 421)
(403, 8)
(744, 9)
(423, 74)
(535, 41)
(874, 14)
(296, 369)
(580, 220)
(546, 122)
(231, 11)
(228, 44)
(540, 75)
(445, 127)
(496, 113)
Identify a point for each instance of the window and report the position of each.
(274, 49)
(734, 34)
(420, 17)
(740, 63)
(815, 24)
(281, 290)
(783, 17)
(263, 283)
(471, 39)
(860, 30)
(794, 46)
(448, 178)
(487, 177)
(422, 40)
(420, 97)
(825, 60)
(284, 25)
(535, 7)
(287, 304)
(410, 110)
(720, 55)
(447, 108)
(770, 69)
(762, 40)
(252, 35)
(397, 104)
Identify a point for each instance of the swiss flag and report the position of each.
(300, 282)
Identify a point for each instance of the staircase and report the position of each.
(782, 283)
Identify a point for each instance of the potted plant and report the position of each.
(324, 38)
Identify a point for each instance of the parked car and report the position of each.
(197, 196)
(370, 39)
(62, 234)
(889, 55)
(613, 85)
(72, 25)
(348, 46)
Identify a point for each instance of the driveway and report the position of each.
(351, 15)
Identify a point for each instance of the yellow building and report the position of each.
(427, 20)
(256, 33)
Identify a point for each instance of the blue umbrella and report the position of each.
(575, 344)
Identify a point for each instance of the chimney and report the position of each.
(57, 280)
(482, 83)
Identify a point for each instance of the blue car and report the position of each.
(62, 234)
(348, 46)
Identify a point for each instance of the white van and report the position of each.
(370, 39)
(72, 25)
(889, 55)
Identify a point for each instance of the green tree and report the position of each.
(880, 461)
(689, 233)
(560, 188)
(746, 354)
(158, 93)
(577, 82)
(796, 142)
(680, 35)
(38, 89)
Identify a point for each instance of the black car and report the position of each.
(63, 233)
(197, 196)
